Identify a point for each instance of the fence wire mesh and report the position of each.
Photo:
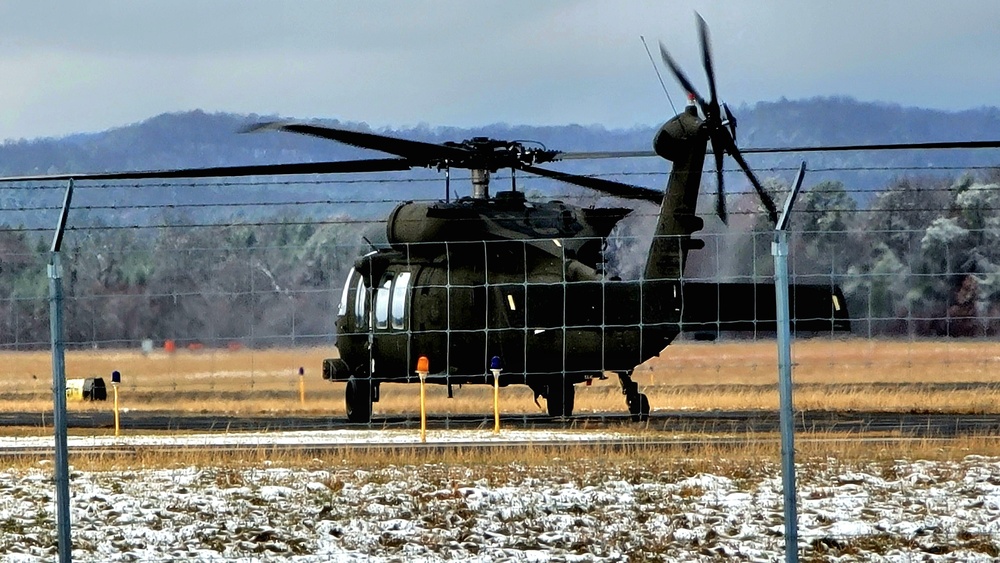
(245, 278)
(214, 306)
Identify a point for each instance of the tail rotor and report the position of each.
(720, 125)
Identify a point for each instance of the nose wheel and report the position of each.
(638, 403)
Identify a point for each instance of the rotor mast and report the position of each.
(480, 183)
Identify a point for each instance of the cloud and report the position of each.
(87, 66)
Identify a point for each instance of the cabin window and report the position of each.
(399, 292)
(342, 308)
(361, 304)
(382, 302)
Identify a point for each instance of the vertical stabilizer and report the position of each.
(682, 141)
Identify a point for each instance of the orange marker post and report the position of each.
(423, 368)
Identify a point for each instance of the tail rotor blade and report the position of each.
(730, 120)
(706, 57)
(720, 193)
(683, 79)
(720, 207)
(720, 124)
(765, 198)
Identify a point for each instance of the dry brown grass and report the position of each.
(731, 458)
(224, 381)
(946, 376)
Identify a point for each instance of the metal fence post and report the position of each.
(64, 537)
(779, 250)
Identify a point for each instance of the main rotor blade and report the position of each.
(617, 189)
(682, 78)
(579, 155)
(882, 147)
(414, 150)
(602, 154)
(706, 58)
(334, 167)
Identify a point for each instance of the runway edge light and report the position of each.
(495, 366)
(423, 368)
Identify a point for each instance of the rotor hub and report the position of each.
(493, 154)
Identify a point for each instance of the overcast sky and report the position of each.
(86, 66)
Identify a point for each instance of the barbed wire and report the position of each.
(333, 180)
(229, 224)
(577, 195)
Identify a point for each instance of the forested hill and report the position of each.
(196, 138)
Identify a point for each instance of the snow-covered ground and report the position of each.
(572, 510)
(318, 438)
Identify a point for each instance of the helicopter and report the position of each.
(498, 283)
(500, 286)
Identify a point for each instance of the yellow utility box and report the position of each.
(89, 389)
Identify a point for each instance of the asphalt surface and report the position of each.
(930, 425)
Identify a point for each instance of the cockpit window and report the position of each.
(399, 292)
(382, 302)
(342, 308)
(361, 304)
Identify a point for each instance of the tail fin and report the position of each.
(682, 141)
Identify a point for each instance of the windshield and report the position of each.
(342, 308)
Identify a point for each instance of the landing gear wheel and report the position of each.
(359, 400)
(638, 405)
(559, 398)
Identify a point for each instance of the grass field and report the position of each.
(945, 376)
(872, 485)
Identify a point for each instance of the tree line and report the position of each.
(922, 259)
(244, 284)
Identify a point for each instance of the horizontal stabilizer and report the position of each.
(718, 307)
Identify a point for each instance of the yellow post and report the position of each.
(496, 364)
(116, 378)
(117, 419)
(423, 368)
(302, 386)
(496, 401)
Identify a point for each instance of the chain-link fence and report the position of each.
(204, 309)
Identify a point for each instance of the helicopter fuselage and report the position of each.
(502, 281)
(541, 306)
(554, 319)
(469, 280)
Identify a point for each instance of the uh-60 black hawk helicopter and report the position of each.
(502, 282)
(498, 281)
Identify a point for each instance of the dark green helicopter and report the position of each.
(484, 282)
(501, 282)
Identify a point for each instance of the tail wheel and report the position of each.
(359, 400)
(638, 406)
(559, 399)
